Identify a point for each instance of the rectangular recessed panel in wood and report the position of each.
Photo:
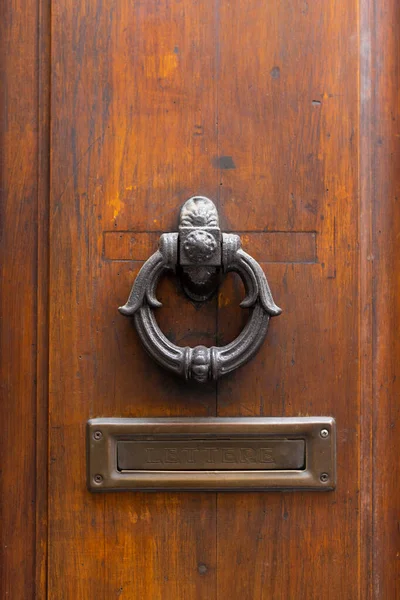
(264, 246)
(211, 453)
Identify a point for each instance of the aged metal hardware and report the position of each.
(211, 454)
(198, 253)
(167, 455)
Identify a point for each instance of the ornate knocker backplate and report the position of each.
(198, 253)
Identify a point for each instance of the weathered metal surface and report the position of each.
(198, 253)
(205, 454)
(211, 454)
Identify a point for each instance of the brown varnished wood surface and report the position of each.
(384, 97)
(298, 145)
(286, 114)
(142, 113)
(21, 179)
(133, 129)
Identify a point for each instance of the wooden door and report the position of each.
(285, 113)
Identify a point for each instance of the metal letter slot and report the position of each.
(198, 254)
(211, 454)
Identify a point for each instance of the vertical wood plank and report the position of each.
(166, 548)
(288, 119)
(133, 129)
(385, 156)
(366, 307)
(79, 105)
(18, 302)
(43, 245)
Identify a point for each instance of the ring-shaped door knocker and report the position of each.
(199, 251)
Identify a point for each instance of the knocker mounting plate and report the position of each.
(200, 248)
(199, 253)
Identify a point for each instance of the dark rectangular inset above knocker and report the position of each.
(211, 454)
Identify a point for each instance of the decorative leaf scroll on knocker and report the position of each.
(198, 253)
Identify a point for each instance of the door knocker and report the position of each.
(198, 253)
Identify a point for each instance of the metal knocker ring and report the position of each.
(198, 252)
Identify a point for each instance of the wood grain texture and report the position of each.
(42, 257)
(296, 169)
(385, 193)
(133, 127)
(284, 113)
(366, 303)
(18, 302)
